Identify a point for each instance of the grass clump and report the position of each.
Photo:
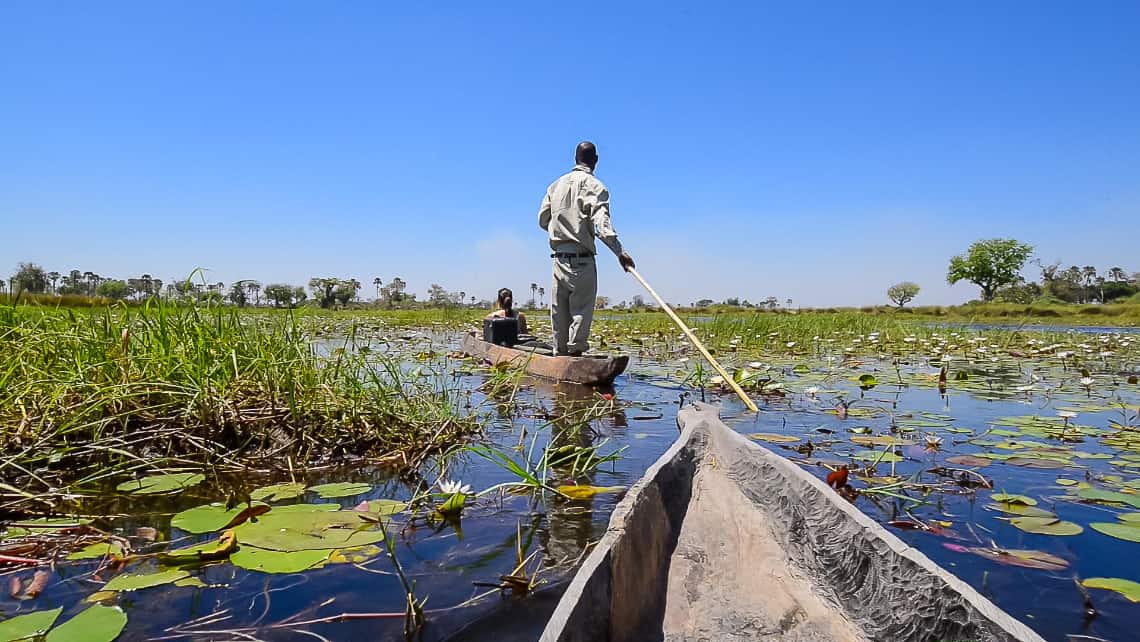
(137, 388)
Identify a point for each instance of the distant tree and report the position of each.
(903, 293)
(29, 277)
(533, 292)
(437, 296)
(323, 290)
(638, 301)
(472, 300)
(541, 294)
(253, 289)
(788, 304)
(113, 290)
(771, 303)
(283, 295)
(602, 302)
(393, 292)
(1116, 275)
(990, 264)
(376, 282)
(704, 303)
(732, 301)
(1021, 293)
(237, 294)
(345, 291)
(54, 278)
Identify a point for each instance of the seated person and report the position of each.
(506, 302)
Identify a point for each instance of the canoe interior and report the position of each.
(724, 540)
(595, 370)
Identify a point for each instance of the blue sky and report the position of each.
(812, 151)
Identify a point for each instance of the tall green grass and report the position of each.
(136, 387)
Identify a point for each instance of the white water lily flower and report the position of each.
(811, 391)
(790, 344)
(1025, 388)
(933, 441)
(756, 365)
(1066, 414)
(454, 487)
(1087, 381)
(908, 339)
(1065, 355)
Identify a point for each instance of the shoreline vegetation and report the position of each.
(89, 395)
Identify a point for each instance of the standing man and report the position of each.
(575, 210)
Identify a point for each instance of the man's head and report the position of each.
(506, 299)
(586, 154)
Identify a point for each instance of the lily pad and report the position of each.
(1061, 481)
(876, 455)
(1109, 496)
(1016, 557)
(773, 437)
(1046, 526)
(1128, 531)
(880, 440)
(278, 492)
(95, 624)
(309, 530)
(29, 625)
(1127, 588)
(1033, 462)
(215, 517)
(131, 582)
(583, 491)
(340, 489)
(204, 552)
(98, 550)
(159, 484)
(969, 461)
(269, 561)
(1007, 498)
(1131, 518)
(43, 525)
(1020, 510)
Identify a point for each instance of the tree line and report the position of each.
(996, 265)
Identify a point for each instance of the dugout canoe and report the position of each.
(591, 370)
(725, 540)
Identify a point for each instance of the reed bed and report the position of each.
(87, 394)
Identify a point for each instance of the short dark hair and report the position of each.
(503, 293)
(586, 152)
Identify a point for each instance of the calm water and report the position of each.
(446, 561)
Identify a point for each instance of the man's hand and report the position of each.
(626, 261)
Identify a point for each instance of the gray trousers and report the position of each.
(572, 295)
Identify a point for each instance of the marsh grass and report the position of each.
(84, 395)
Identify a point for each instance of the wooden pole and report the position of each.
(695, 341)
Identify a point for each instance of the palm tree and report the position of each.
(1116, 274)
(254, 290)
(533, 290)
(90, 278)
(54, 276)
(147, 282)
(472, 300)
(462, 295)
(377, 282)
(541, 293)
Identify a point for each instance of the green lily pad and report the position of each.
(95, 624)
(43, 525)
(29, 625)
(98, 550)
(385, 507)
(1046, 526)
(1131, 518)
(1061, 481)
(1020, 510)
(311, 530)
(1109, 496)
(159, 484)
(305, 508)
(211, 517)
(773, 437)
(868, 381)
(278, 492)
(1127, 588)
(1007, 498)
(133, 582)
(1035, 462)
(269, 561)
(1127, 531)
(880, 440)
(340, 489)
(876, 455)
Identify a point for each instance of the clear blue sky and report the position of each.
(813, 151)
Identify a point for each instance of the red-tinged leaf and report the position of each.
(957, 548)
(1022, 558)
(15, 586)
(37, 585)
(907, 525)
(837, 478)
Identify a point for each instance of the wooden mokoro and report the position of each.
(593, 370)
(724, 540)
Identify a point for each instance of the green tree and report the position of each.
(283, 295)
(237, 294)
(990, 264)
(903, 293)
(345, 291)
(113, 290)
(601, 302)
(323, 290)
(29, 277)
